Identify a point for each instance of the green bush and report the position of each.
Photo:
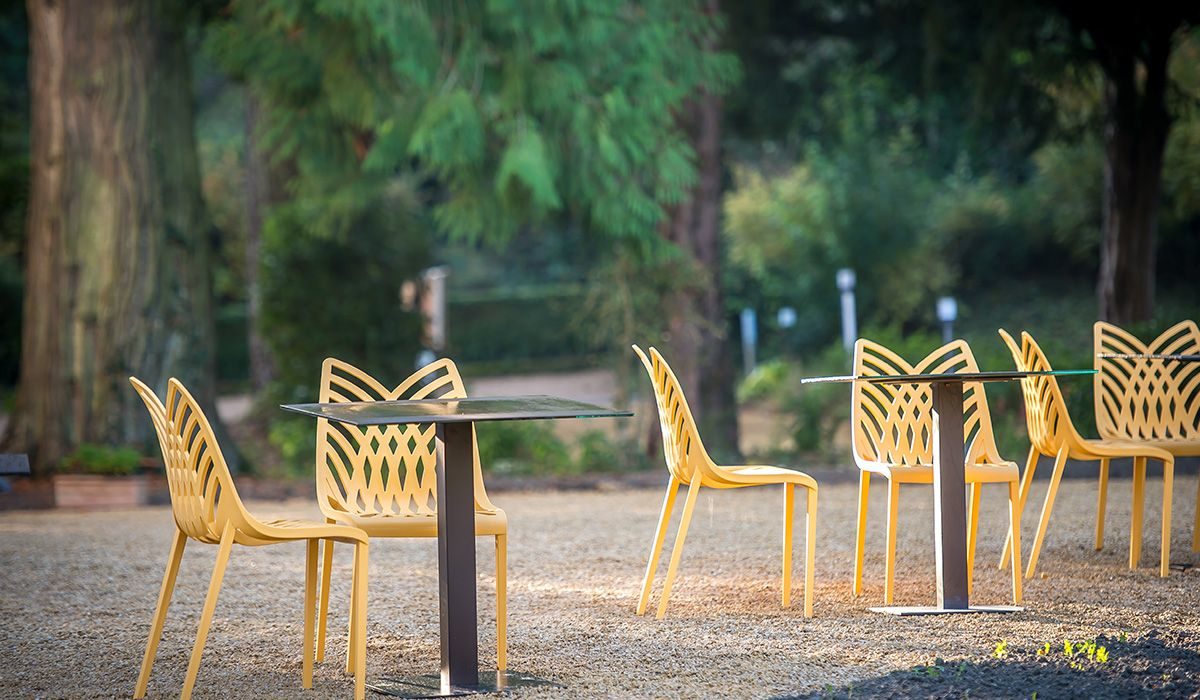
(598, 453)
(101, 459)
(523, 448)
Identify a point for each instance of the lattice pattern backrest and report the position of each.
(681, 442)
(893, 423)
(384, 470)
(202, 492)
(1046, 416)
(1147, 399)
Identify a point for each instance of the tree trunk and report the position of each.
(262, 364)
(1135, 138)
(699, 348)
(118, 254)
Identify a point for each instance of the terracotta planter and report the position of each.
(94, 491)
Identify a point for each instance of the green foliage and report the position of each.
(507, 112)
(101, 459)
(337, 296)
(523, 448)
(532, 448)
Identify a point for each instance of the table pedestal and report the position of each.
(456, 584)
(949, 510)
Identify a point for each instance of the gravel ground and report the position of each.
(79, 589)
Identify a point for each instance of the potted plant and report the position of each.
(98, 476)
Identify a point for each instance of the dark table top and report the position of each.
(1147, 356)
(1004, 376)
(454, 410)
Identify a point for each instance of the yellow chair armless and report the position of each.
(207, 509)
(689, 464)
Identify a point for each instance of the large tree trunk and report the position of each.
(699, 348)
(1135, 137)
(258, 198)
(118, 256)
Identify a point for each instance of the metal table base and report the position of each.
(430, 686)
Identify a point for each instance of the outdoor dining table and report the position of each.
(949, 482)
(455, 420)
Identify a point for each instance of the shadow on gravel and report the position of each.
(1163, 663)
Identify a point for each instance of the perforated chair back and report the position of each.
(1140, 399)
(384, 470)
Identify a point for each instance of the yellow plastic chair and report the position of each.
(207, 509)
(689, 464)
(1151, 401)
(1051, 432)
(893, 438)
(383, 479)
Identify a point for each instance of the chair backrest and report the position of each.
(684, 452)
(893, 423)
(1147, 399)
(390, 469)
(203, 498)
(1046, 418)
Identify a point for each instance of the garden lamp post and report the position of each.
(947, 313)
(749, 339)
(845, 283)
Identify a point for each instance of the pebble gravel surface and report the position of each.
(77, 592)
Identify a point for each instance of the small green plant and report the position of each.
(1077, 651)
(101, 459)
(1001, 650)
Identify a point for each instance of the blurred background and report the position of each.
(229, 192)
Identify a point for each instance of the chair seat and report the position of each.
(760, 474)
(268, 531)
(1152, 449)
(391, 525)
(1180, 447)
(998, 472)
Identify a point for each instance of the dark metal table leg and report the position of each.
(456, 557)
(949, 496)
(949, 510)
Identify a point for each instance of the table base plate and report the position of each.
(430, 685)
(904, 610)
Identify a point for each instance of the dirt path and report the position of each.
(78, 590)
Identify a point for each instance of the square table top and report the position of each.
(454, 410)
(1001, 376)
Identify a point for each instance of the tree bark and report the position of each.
(698, 343)
(117, 253)
(1132, 44)
(262, 363)
(1135, 138)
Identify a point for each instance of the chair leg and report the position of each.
(810, 551)
(160, 611)
(789, 500)
(360, 620)
(892, 523)
(352, 640)
(323, 606)
(659, 535)
(1060, 463)
(210, 604)
(1139, 507)
(1196, 523)
(972, 533)
(310, 604)
(1014, 527)
(864, 493)
(1026, 479)
(1168, 485)
(688, 506)
(501, 602)
(1101, 502)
